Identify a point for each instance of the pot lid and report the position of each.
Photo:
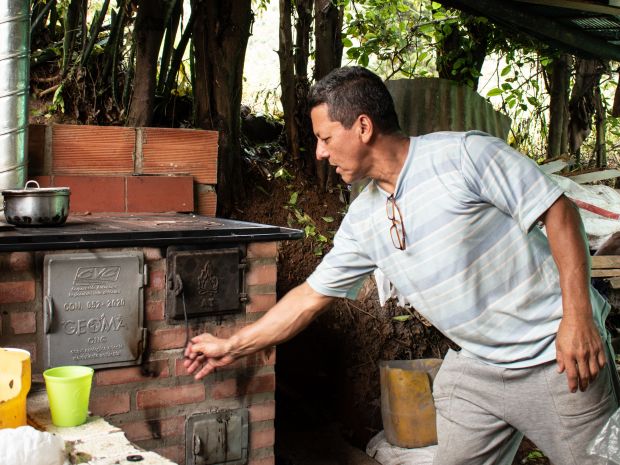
(27, 190)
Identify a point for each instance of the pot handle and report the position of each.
(33, 181)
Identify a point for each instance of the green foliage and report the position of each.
(395, 37)
(297, 217)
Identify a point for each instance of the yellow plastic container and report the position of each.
(14, 386)
(68, 392)
(407, 406)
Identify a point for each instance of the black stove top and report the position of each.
(126, 230)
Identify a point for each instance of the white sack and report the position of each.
(28, 446)
(386, 454)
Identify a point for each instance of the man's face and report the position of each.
(341, 147)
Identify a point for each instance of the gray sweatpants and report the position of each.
(483, 412)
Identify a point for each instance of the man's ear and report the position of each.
(365, 128)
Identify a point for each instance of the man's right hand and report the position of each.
(205, 353)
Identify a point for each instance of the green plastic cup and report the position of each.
(68, 392)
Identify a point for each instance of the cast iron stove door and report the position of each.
(204, 282)
(93, 309)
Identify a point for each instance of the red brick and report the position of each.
(93, 149)
(174, 453)
(225, 331)
(159, 194)
(157, 279)
(180, 151)
(162, 339)
(233, 388)
(146, 372)
(225, 389)
(17, 291)
(206, 202)
(261, 274)
(180, 370)
(154, 310)
(166, 397)
(263, 461)
(260, 302)
(262, 412)
(110, 405)
(263, 250)
(155, 429)
(20, 261)
(263, 438)
(23, 323)
(94, 193)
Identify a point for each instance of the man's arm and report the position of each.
(578, 344)
(288, 317)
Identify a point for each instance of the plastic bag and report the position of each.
(606, 445)
(28, 446)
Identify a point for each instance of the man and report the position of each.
(451, 219)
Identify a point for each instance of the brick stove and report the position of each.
(155, 401)
(139, 174)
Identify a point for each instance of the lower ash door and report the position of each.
(93, 309)
(217, 438)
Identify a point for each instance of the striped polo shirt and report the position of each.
(476, 265)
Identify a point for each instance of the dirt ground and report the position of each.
(328, 376)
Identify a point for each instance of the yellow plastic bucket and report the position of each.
(14, 386)
(407, 406)
(68, 392)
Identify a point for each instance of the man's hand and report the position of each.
(205, 353)
(580, 351)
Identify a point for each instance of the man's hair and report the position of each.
(351, 91)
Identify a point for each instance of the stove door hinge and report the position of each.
(145, 272)
(142, 342)
(243, 264)
(243, 297)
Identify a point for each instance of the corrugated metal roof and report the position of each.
(426, 105)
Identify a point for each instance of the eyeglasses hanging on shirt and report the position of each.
(397, 230)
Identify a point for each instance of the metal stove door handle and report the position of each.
(48, 313)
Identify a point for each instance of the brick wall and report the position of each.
(125, 169)
(151, 402)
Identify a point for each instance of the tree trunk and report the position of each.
(71, 22)
(558, 107)
(172, 24)
(148, 34)
(582, 105)
(303, 31)
(287, 81)
(328, 54)
(221, 33)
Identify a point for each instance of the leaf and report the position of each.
(506, 70)
(293, 199)
(346, 42)
(494, 92)
(327, 219)
(402, 318)
(532, 101)
(364, 60)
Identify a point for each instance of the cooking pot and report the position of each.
(36, 206)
